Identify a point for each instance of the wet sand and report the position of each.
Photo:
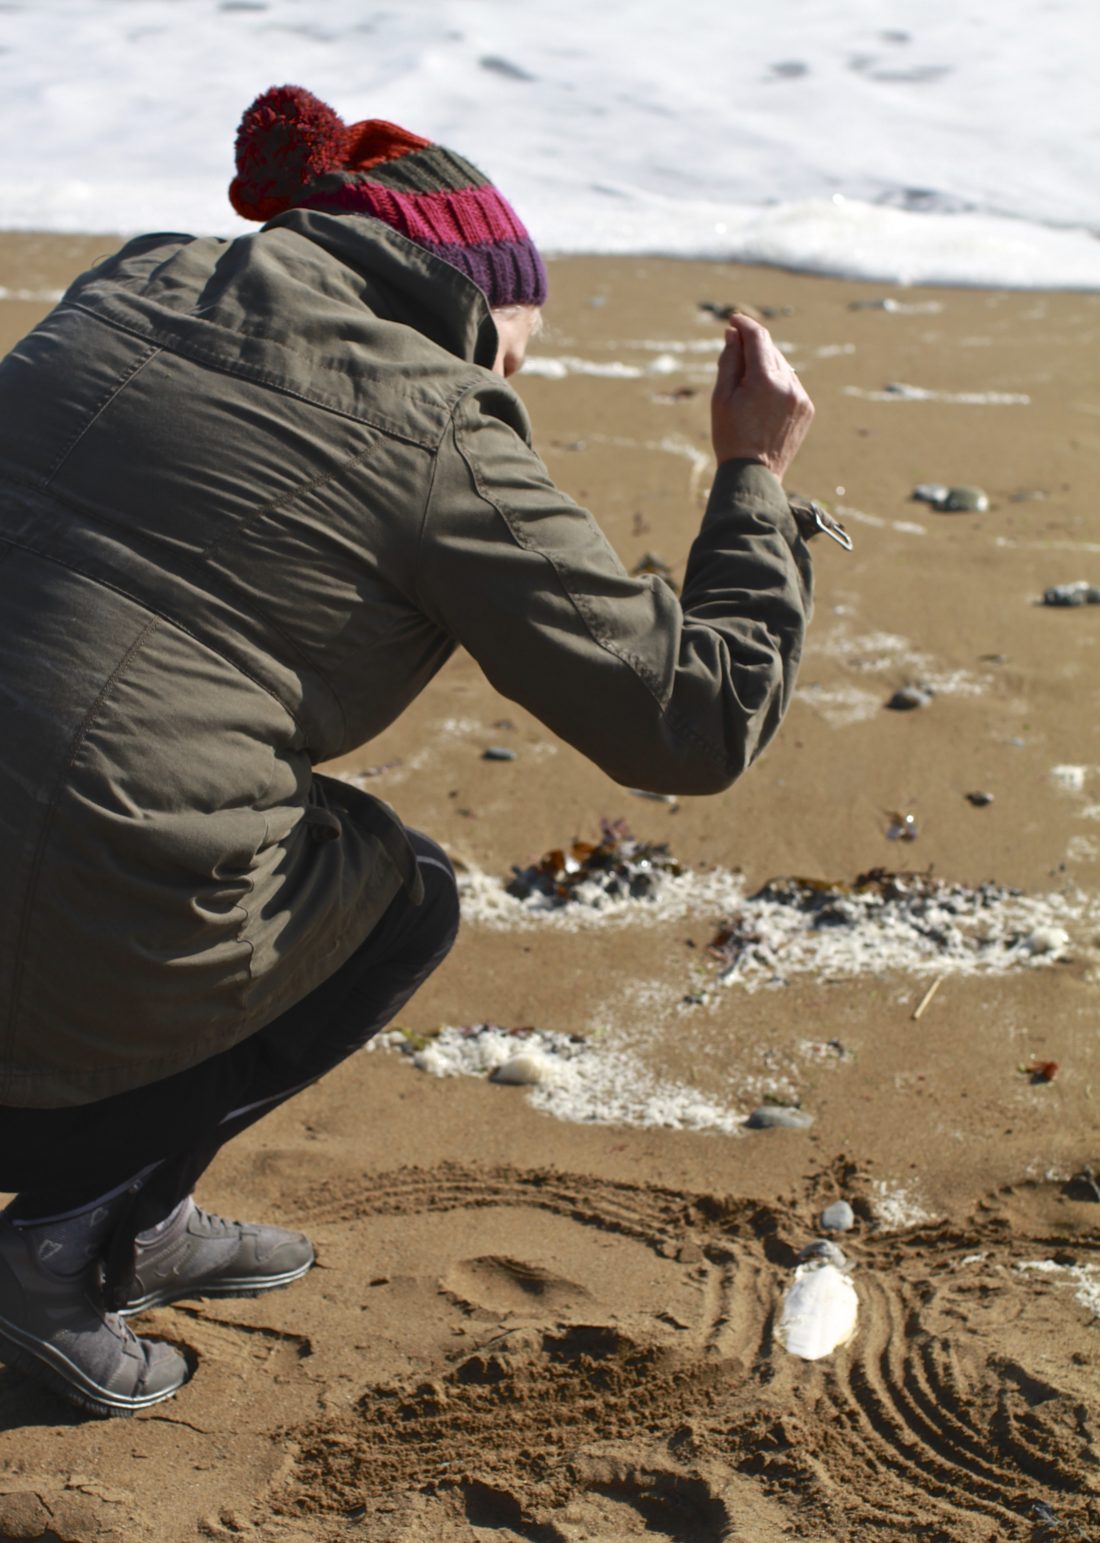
(525, 1328)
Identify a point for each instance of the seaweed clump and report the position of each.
(617, 867)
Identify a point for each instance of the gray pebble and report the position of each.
(1079, 593)
(498, 753)
(906, 698)
(822, 1248)
(838, 1217)
(979, 799)
(965, 500)
(775, 1116)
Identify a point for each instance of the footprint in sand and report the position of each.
(502, 1285)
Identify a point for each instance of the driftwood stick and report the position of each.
(927, 997)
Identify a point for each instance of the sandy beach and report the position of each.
(528, 1324)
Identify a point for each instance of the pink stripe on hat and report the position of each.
(478, 215)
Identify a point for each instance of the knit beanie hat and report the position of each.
(294, 152)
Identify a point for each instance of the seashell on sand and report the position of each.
(526, 1069)
(1046, 940)
(819, 1311)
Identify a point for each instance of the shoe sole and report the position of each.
(240, 1286)
(52, 1369)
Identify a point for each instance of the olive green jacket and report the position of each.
(252, 494)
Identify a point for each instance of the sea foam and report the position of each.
(941, 142)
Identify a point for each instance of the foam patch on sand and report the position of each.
(875, 654)
(789, 928)
(569, 1078)
(1083, 1278)
(900, 392)
(897, 1207)
(38, 296)
(487, 903)
(1070, 779)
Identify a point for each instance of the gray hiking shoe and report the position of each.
(200, 1255)
(53, 1328)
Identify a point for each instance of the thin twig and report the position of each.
(927, 997)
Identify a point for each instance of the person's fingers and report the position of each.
(731, 363)
(760, 353)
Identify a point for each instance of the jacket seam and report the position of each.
(117, 386)
(172, 621)
(287, 498)
(594, 628)
(428, 497)
(293, 646)
(165, 343)
(75, 746)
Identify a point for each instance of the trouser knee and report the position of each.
(439, 910)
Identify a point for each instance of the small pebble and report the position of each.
(525, 1069)
(931, 493)
(838, 1217)
(979, 799)
(498, 753)
(823, 1248)
(1046, 940)
(776, 1117)
(965, 500)
(906, 698)
(1078, 593)
(902, 827)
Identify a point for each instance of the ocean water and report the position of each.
(942, 141)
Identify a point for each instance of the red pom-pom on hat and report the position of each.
(287, 139)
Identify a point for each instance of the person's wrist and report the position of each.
(750, 458)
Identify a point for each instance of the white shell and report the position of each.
(819, 1311)
(1046, 940)
(528, 1067)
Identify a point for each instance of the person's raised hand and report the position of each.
(759, 410)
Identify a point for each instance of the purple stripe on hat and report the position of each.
(509, 272)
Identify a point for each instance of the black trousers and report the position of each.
(156, 1140)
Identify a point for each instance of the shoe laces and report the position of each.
(214, 1225)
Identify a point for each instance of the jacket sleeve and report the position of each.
(671, 695)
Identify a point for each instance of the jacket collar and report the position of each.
(420, 289)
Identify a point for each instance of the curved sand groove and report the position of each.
(556, 1420)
